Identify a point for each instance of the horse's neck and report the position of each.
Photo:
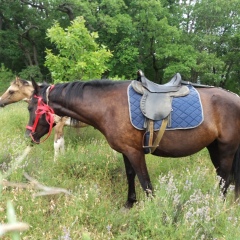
(27, 91)
(84, 108)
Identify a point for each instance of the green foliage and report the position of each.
(80, 57)
(183, 60)
(161, 37)
(187, 205)
(31, 72)
(6, 76)
(206, 62)
(209, 26)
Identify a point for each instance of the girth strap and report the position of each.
(160, 134)
(149, 145)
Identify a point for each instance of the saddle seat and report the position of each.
(172, 86)
(156, 102)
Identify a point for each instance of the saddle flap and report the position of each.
(156, 106)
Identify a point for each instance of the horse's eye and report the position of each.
(11, 92)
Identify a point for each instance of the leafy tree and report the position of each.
(161, 37)
(23, 24)
(139, 35)
(209, 27)
(231, 59)
(79, 57)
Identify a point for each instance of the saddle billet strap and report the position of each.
(151, 125)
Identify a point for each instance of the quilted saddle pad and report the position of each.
(186, 111)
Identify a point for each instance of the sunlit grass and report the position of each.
(187, 202)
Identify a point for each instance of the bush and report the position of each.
(6, 76)
(31, 72)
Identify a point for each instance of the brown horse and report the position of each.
(21, 89)
(104, 105)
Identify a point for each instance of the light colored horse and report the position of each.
(22, 90)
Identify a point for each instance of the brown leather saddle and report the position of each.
(156, 101)
(156, 104)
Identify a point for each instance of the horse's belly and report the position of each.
(180, 143)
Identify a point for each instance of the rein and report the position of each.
(42, 108)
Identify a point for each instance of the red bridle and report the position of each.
(42, 108)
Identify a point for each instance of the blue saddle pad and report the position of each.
(186, 111)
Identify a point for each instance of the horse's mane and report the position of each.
(71, 90)
(23, 81)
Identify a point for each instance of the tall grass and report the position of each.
(187, 202)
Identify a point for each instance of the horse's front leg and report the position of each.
(130, 172)
(59, 137)
(136, 164)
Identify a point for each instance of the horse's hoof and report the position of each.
(124, 210)
(129, 204)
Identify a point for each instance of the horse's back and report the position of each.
(221, 112)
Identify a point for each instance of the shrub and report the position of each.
(6, 76)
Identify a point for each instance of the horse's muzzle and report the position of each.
(2, 104)
(33, 136)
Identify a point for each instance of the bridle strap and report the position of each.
(42, 108)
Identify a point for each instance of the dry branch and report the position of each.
(45, 189)
(34, 184)
(13, 227)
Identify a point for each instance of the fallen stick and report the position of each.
(46, 190)
(13, 227)
(34, 184)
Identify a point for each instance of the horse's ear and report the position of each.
(35, 86)
(26, 83)
(17, 80)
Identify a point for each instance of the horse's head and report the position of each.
(41, 115)
(19, 90)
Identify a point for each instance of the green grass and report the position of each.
(187, 202)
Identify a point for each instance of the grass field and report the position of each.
(187, 202)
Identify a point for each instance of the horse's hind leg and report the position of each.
(222, 156)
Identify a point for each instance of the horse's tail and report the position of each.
(236, 172)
